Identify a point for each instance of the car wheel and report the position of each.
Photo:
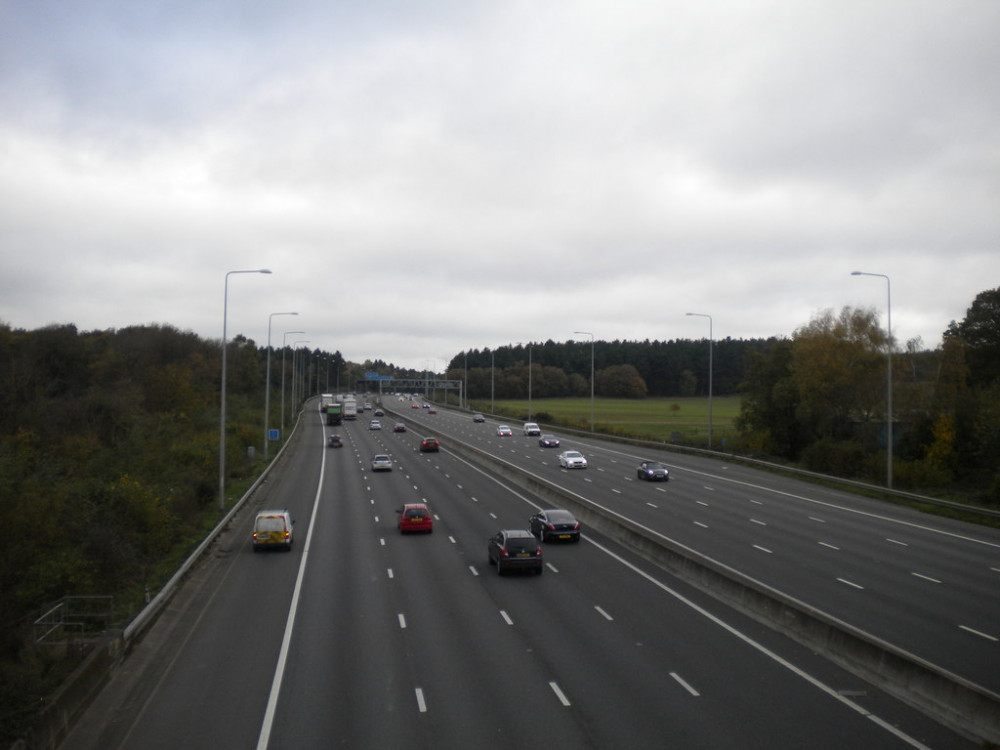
(499, 568)
(541, 569)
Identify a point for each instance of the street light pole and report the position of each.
(588, 333)
(284, 338)
(710, 368)
(888, 373)
(222, 409)
(493, 375)
(267, 380)
(298, 385)
(529, 382)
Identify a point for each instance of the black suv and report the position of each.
(653, 471)
(515, 549)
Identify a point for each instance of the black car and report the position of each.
(653, 471)
(514, 549)
(478, 418)
(555, 524)
(548, 441)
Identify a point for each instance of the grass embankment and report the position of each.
(678, 420)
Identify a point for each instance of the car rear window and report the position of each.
(271, 523)
(416, 513)
(522, 545)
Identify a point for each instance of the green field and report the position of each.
(668, 419)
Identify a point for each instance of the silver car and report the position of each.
(381, 462)
(572, 460)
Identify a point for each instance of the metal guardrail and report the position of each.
(74, 616)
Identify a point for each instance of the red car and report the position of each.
(415, 517)
(430, 445)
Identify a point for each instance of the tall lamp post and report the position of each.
(529, 382)
(588, 333)
(493, 375)
(267, 380)
(710, 368)
(284, 344)
(222, 415)
(298, 384)
(888, 373)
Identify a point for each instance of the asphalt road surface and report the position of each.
(363, 638)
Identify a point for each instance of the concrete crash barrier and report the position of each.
(75, 695)
(969, 709)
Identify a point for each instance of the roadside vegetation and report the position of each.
(109, 439)
(668, 420)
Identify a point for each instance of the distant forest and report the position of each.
(623, 369)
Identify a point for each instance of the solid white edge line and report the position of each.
(264, 738)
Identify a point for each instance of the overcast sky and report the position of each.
(429, 176)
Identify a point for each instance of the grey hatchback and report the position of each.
(515, 549)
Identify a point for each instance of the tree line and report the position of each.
(622, 369)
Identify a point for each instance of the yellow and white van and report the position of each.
(272, 529)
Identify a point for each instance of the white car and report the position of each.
(381, 462)
(572, 460)
(374, 425)
(504, 431)
(531, 428)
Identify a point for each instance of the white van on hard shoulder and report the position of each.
(531, 428)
